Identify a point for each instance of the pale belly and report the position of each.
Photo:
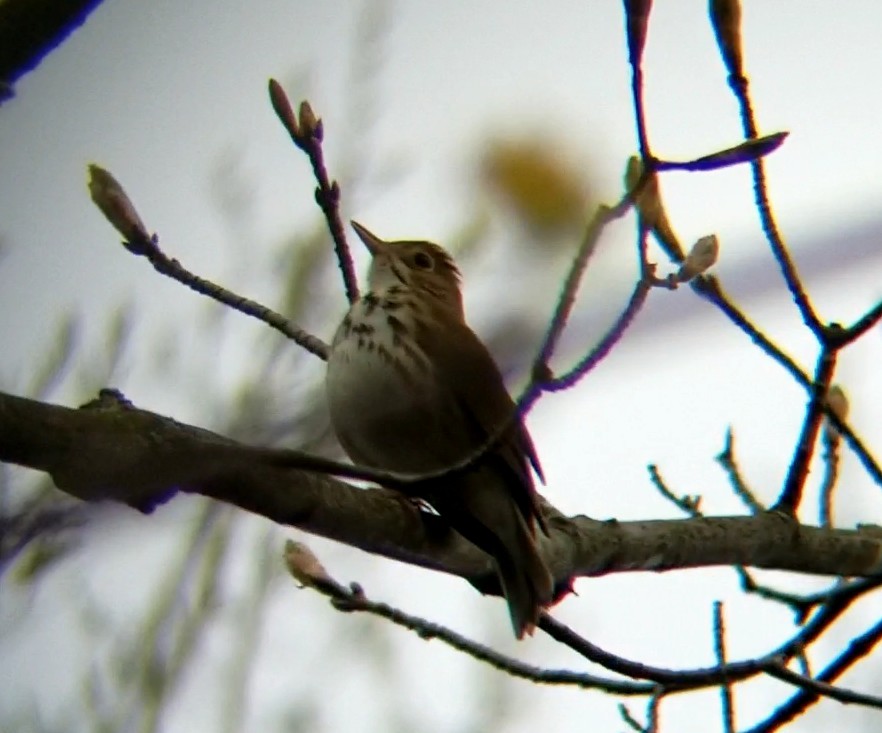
(382, 418)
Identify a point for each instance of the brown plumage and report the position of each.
(412, 389)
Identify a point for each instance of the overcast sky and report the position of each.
(160, 92)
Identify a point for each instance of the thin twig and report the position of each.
(863, 324)
(306, 568)
(804, 666)
(727, 708)
(800, 605)
(671, 680)
(739, 85)
(818, 688)
(605, 345)
(676, 681)
(831, 475)
(119, 210)
(307, 132)
(652, 708)
(172, 268)
(603, 216)
(690, 505)
(652, 711)
(791, 495)
(327, 196)
(629, 719)
(813, 690)
(836, 605)
(739, 487)
(353, 598)
(870, 464)
(636, 22)
(709, 287)
(803, 605)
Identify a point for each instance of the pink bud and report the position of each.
(110, 197)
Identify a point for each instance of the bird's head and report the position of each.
(424, 268)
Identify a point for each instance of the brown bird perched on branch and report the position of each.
(412, 389)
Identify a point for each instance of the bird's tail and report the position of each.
(485, 514)
(526, 581)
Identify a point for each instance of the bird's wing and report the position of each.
(477, 391)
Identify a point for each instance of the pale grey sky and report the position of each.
(159, 92)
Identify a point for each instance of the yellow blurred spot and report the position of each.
(537, 183)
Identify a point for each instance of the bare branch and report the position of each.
(603, 216)
(305, 568)
(791, 495)
(831, 476)
(307, 132)
(605, 345)
(813, 690)
(637, 20)
(728, 710)
(709, 287)
(726, 459)
(690, 505)
(870, 319)
(726, 19)
(110, 197)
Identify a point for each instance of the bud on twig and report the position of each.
(650, 206)
(725, 17)
(305, 126)
(701, 257)
(310, 125)
(745, 152)
(637, 13)
(283, 109)
(110, 197)
(304, 565)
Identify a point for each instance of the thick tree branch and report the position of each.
(111, 450)
(31, 29)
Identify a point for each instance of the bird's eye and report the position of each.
(423, 261)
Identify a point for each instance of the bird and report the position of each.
(412, 389)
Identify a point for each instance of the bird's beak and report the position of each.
(374, 244)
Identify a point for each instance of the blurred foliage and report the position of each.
(536, 182)
(40, 527)
(278, 399)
